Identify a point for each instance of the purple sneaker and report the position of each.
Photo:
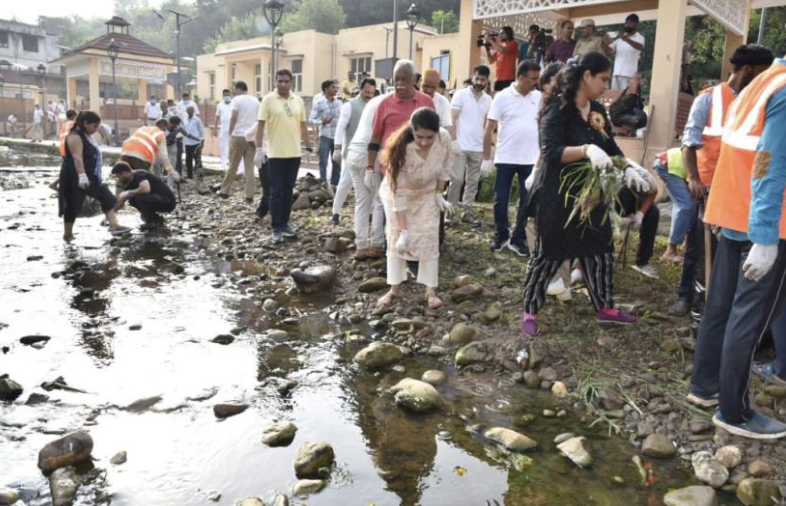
(528, 325)
(607, 315)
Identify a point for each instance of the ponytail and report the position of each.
(85, 118)
(394, 156)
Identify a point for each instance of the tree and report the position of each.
(325, 16)
(252, 25)
(445, 21)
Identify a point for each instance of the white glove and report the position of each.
(259, 157)
(443, 205)
(84, 183)
(370, 181)
(175, 176)
(635, 181)
(598, 158)
(337, 155)
(760, 260)
(485, 167)
(638, 219)
(402, 244)
(530, 180)
(125, 195)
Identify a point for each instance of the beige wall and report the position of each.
(459, 61)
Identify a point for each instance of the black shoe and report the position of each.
(499, 245)
(289, 232)
(335, 219)
(278, 237)
(681, 307)
(519, 249)
(261, 212)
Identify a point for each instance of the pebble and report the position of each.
(251, 501)
(416, 396)
(547, 413)
(758, 492)
(708, 469)
(730, 456)
(10, 390)
(510, 439)
(696, 495)
(225, 410)
(279, 434)
(135, 326)
(378, 355)
(759, 468)
(119, 458)
(311, 457)
(434, 377)
(8, 495)
(214, 495)
(578, 450)
(563, 437)
(304, 488)
(658, 446)
(63, 483)
(559, 389)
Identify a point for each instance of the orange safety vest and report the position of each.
(730, 198)
(707, 156)
(65, 129)
(144, 142)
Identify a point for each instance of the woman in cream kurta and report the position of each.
(412, 198)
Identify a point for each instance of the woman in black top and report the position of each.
(574, 127)
(80, 176)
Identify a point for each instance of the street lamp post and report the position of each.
(113, 50)
(42, 75)
(179, 24)
(395, 30)
(2, 105)
(413, 16)
(279, 41)
(274, 11)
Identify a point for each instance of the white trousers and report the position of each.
(428, 271)
(224, 148)
(367, 204)
(342, 190)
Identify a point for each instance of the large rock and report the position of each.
(225, 410)
(314, 279)
(697, 495)
(578, 450)
(281, 500)
(373, 285)
(466, 292)
(302, 203)
(9, 389)
(304, 488)
(311, 458)
(510, 439)
(434, 377)
(472, 354)
(462, 334)
(415, 395)
(69, 449)
(279, 434)
(758, 492)
(251, 501)
(379, 354)
(709, 470)
(730, 456)
(63, 483)
(658, 446)
(8, 495)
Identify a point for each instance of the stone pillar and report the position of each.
(467, 54)
(93, 86)
(142, 91)
(666, 64)
(71, 93)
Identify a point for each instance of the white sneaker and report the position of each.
(556, 287)
(647, 270)
(576, 276)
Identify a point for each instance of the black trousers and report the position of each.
(193, 154)
(264, 175)
(282, 175)
(736, 315)
(150, 204)
(693, 264)
(629, 203)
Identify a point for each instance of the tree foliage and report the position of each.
(326, 16)
(252, 25)
(445, 21)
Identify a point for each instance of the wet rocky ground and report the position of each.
(185, 366)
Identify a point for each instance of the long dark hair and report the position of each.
(551, 70)
(85, 118)
(570, 77)
(395, 153)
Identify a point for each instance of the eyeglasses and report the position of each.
(289, 111)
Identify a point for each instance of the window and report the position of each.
(442, 64)
(258, 78)
(3, 38)
(212, 79)
(360, 65)
(297, 75)
(29, 43)
(234, 73)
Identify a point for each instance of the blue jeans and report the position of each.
(325, 152)
(502, 185)
(684, 213)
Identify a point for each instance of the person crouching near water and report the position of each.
(148, 193)
(418, 158)
(80, 176)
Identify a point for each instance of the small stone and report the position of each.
(759, 492)
(696, 495)
(759, 468)
(493, 312)
(434, 377)
(658, 446)
(278, 335)
(462, 334)
(270, 305)
(135, 326)
(671, 345)
(63, 483)
(280, 500)
(35, 399)
(8, 495)
(311, 457)
(373, 285)
(141, 405)
(10, 390)
(225, 410)
(251, 501)
(610, 399)
(416, 396)
(462, 280)
(708, 469)
(214, 495)
(466, 292)
(279, 434)
(563, 437)
(69, 449)
(547, 413)
(510, 439)
(559, 389)
(730, 456)
(578, 450)
(777, 391)
(119, 458)
(531, 379)
(33, 340)
(304, 488)
(472, 354)
(547, 374)
(490, 272)
(224, 339)
(378, 355)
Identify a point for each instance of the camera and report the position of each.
(481, 40)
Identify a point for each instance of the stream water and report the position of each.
(87, 295)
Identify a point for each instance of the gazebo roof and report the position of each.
(128, 45)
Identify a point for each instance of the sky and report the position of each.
(28, 11)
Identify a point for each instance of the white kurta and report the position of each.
(224, 112)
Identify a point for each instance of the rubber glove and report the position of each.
(402, 244)
(259, 157)
(760, 260)
(125, 195)
(370, 181)
(638, 219)
(456, 147)
(597, 157)
(635, 181)
(485, 167)
(175, 176)
(337, 155)
(530, 180)
(84, 183)
(443, 205)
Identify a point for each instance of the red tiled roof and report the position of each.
(128, 45)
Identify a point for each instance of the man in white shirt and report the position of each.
(184, 104)
(429, 86)
(38, 124)
(245, 110)
(469, 109)
(515, 110)
(221, 127)
(152, 111)
(627, 48)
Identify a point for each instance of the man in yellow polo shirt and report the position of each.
(284, 113)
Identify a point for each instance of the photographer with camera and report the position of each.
(627, 47)
(561, 50)
(502, 49)
(526, 48)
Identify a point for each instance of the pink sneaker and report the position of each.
(528, 325)
(616, 316)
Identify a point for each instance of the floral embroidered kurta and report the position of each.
(415, 190)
